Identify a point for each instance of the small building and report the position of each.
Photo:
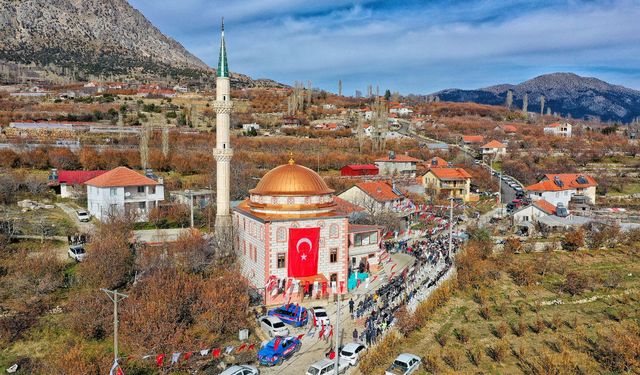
(558, 129)
(534, 211)
(438, 162)
(403, 165)
(69, 183)
(249, 127)
(494, 148)
(123, 191)
(364, 246)
(507, 129)
(200, 197)
(374, 197)
(561, 188)
(471, 140)
(437, 147)
(455, 181)
(359, 170)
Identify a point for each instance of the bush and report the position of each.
(441, 338)
(453, 358)
(431, 362)
(462, 334)
(500, 330)
(498, 352)
(380, 356)
(406, 321)
(573, 240)
(475, 355)
(575, 283)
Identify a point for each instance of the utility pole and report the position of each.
(337, 334)
(115, 297)
(190, 192)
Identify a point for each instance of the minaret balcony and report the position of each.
(223, 107)
(224, 154)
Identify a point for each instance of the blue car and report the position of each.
(291, 314)
(269, 355)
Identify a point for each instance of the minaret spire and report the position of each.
(223, 67)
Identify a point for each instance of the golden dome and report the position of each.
(291, 180)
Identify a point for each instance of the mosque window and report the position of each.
(281, 234)
(333, 255)
(334, 231)
(307, 200)
(281, 260)
(274, 200)
(290, 200)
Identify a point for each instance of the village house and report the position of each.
(561, 188)
(364, 245)
(123, 191)
(494, 149)
(249, 127)
(455, 182)
(437, 162)
(359, 170)
(558, 129)
(375, 197)
(507, 129)
(534, 211)
(402, 165)
(70, 184)
(472, 140)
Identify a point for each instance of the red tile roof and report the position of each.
(438, 162)
(380, 191)
(450, 173)
(509, 128)
(361, 166)
(400, 158)
(121, 176)
(494, 144)
(569, 181)
(77, 177)
(545, 206)
(554, 125)
(344, 207)
(472, 138)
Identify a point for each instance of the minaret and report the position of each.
(223, 152)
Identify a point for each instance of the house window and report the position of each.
(140, 189)
(333, 255)
(113, 192)
(281, 260)
(152, 189)
(142, 205)
(333, 278)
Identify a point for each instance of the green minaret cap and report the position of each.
(223, 67)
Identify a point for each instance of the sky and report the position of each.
(409, 46)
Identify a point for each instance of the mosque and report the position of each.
(291, 238)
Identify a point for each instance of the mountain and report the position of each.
(567, 94)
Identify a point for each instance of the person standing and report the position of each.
(355, 335)
(351, 303)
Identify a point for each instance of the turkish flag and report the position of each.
(303, 251)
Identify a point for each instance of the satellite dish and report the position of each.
(127, 194)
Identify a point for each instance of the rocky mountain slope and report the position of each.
(565, 93)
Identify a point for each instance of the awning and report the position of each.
(311, 279)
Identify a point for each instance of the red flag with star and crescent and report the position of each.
(303, 251)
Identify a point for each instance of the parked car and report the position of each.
(77, 253)
(83, 215)
(351, 352)
(327, 366)
(273, 326)
(404, 364)
(321, 316)
(241, 370)
(277, 350)
(292, 314)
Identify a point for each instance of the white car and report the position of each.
(273, 326)
(241, 370)
(326, 367)
(322, 319)
(77, 253)
(404, 364)
(83, 216)
(351, 352)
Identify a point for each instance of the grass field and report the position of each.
(505, 328)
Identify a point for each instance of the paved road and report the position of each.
(313, 349)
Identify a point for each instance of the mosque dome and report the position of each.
(291, 190)
(291, 180)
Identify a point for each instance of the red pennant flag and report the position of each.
(331, 331)
(374, 278)
(321, 333)
(300, 336)
(394, 266)
(160, 359)
(187, 355)
(120, 372)
(216, 352)
(315, 322)
(276, 344)
(303, 252)
(341, 287)
(241, 348)
(251, 347)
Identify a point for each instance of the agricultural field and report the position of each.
(553, 312)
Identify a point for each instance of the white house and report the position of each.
(364, 245)
(494, 148)
(534, 211)
(394, 164)
(249, 127)
(560, 188)
(557, 129)
(375, 197)
(401, 111)
(122, 190)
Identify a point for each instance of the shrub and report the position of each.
(462, 334)
(538, 325)
(573, 240)
(379, 356)
(441, 338)
(498, 352)
(405, 321)
(500, 330)
(519, 328)
(575, 283)
(484, 312)
(475, 355)
(431, 362)
(453, 358)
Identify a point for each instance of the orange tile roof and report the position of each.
(438, 162)
(472, 138)
(545, 206)
(450, 173)
(345, 207)
(554, 125)
(380, 191)
(509, 128)
(494, 144)
(400, 158)
(569, 181)
(121, 176)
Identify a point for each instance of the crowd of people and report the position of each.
(410, 287)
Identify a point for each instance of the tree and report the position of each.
(525, 103)
(575, 283)
(509, 99)
(387, 94)
(541, 105)
(573, 240)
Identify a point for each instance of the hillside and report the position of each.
(565, 93)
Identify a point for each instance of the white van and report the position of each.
(326, 367)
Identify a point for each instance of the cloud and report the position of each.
(410, 46)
